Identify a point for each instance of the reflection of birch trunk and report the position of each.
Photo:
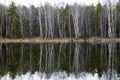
(21, 58)
(31, 59)
(41, 54)
(1, 56)
(112, 61)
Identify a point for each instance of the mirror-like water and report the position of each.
(69, 61)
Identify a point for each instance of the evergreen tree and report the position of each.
(12, 13)
(118, 18)
(98, 17)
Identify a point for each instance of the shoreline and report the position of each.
(62, 40)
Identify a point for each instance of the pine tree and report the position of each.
(12, 13)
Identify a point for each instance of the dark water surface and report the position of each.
(70, 57)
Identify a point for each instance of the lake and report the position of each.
(60, 61)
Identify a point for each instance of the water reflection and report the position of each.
(69, 57)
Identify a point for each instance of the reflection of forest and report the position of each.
(69, 57)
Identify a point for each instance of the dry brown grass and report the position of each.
(58, 40)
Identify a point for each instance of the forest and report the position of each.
(70, 21)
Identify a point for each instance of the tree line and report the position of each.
(70, 21)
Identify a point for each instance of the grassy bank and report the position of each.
(63, 40)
